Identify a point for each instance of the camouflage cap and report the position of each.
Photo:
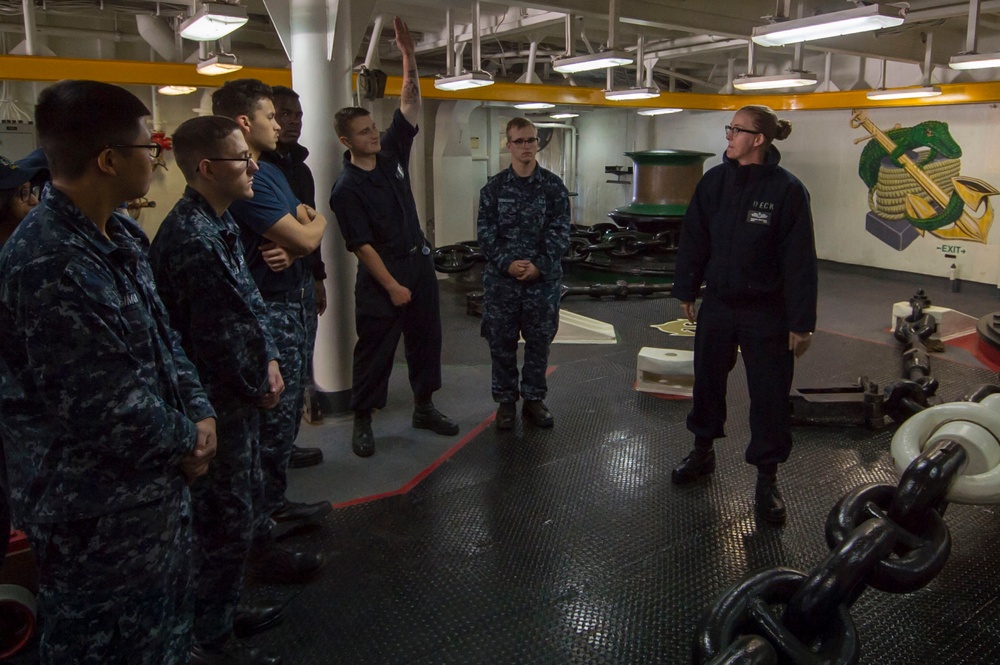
(12, 175)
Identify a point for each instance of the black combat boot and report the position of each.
(425, 416)
(699, 463)
(767, 496)
(506, 414)
(363, 441)
(537, 413)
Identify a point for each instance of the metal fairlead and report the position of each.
(886, 537)
(862, 403)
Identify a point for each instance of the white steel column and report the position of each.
(322, 55)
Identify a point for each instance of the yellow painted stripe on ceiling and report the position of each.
(32, 68)
(126, 72)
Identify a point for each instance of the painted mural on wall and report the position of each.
(915, 186)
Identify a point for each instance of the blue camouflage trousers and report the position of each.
(115, 588)
(311, 324)
(513, 309)
(280, 426)
(223, 510)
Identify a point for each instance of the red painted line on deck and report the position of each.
(472, 434)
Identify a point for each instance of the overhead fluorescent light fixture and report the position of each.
(787, 80)
(534, 106)
(663, 111)
(974, 61)
(631, 93)
(904, 93)
(564, 116)
(217, 65)
(466, 81)
(591, 61)
(833, 24)
(174, 90)
(213, 20)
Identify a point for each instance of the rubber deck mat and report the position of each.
(572, 546)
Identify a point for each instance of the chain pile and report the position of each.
(888, 537)
(605, 239)
(891, 538)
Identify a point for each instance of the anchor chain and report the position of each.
(607, 239)
(890, 538)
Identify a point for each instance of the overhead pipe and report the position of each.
(449, 53)
(928, 65)
(30, 27)
(970, 35)
(569, 35)
(529, 71)
(104, 35)
(477, 48)
(373, 42)
(612, 22)
(640, 52)
(159, 35)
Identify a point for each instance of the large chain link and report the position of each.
(890, 538)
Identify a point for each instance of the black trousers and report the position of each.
(380, 324)
(761, 332)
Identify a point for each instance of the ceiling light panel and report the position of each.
(789, 80)
(833, 24)
(591, 61)
(213, 20)
(466, 81)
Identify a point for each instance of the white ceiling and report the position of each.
(697, 41)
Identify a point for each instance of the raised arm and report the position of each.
(409, 98)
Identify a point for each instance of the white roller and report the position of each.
(665, 371)
(976, 427)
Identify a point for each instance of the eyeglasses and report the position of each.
(735, 131)
(246, 160)
(155, 149)
(27, 191)
(531, 140)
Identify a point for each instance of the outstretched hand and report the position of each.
(404, 42)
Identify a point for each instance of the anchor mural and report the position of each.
(915, 186)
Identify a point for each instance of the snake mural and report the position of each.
(915, 186)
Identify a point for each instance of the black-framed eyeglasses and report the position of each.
(735, 131)
(27, 191)
(531, 140)
(155, 149)
(246, 160)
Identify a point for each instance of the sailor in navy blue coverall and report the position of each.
(396, 292)
(748, 236)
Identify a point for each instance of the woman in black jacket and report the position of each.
(748, 237)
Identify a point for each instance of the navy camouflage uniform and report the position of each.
(283, 294)
(98, 405)
(214, 304)
(377, 208)
(522, 218)
(300, 179)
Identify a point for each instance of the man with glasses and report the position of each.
(397, 291)
(523, 232)
(213, 302)
(274, 219)
(102, 415)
